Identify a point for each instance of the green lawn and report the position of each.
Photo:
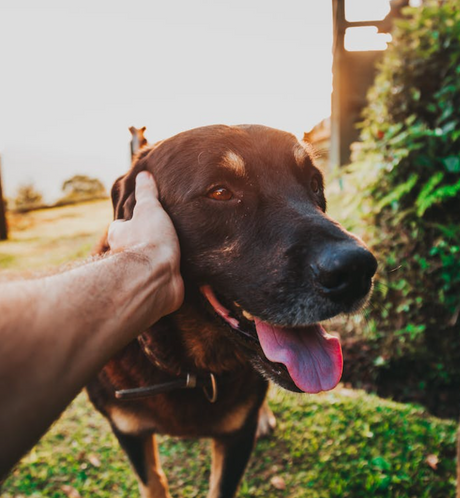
(340, 444)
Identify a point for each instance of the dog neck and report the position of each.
(189, 352)
(188, 341)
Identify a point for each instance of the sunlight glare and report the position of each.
(366, 38)
(76, 75)
(366, 10)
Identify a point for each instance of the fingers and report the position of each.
(145, 187)
(149, 225)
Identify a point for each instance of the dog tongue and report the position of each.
(313, 357)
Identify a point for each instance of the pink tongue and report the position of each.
(313, 357)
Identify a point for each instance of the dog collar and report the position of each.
(190, 381)
(207, 381)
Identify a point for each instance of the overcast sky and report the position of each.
(75, 75)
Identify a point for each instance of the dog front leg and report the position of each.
(230, 455)
(143, 454)
(156, 485)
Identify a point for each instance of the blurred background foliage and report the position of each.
(404, 188)
(82, 188)
(27, 197)
(78, 188)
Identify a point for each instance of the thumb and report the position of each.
(145, 187)
(113, 228)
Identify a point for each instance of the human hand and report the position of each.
(151, 234)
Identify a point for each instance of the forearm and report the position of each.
(58, 331)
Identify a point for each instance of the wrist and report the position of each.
(150, 285)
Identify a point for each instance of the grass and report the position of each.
(340, 444)
(49, 237)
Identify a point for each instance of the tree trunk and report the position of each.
(3, 225)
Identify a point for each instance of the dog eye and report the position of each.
(315, 185)
(220, 194)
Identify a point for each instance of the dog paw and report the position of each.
(267, 421)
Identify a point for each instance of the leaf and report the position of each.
(94, 460)
(439, 195)
(422, 201)
(399, 192)
(381, 463)
(448, 127)
(70, 491)
(278, 482)
(452, 164)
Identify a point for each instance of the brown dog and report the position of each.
(138, 140)
(262, 265)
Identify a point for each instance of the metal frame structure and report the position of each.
(353, 74)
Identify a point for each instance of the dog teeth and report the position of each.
(245, 313)
(248, 316)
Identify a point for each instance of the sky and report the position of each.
(75, 75)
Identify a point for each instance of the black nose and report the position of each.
(344, 272)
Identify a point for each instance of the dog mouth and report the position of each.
(312, 357)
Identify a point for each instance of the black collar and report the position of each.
(189, 380)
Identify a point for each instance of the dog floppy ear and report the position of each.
(123, 199)
(123, 202)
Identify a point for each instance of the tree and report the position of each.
(27, 197)
(83, 187)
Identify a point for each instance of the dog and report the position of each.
(138, 140)
(263, 265)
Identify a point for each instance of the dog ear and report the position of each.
(123, 199)
(123, 205)
(115, 194)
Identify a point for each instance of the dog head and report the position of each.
(249, 208)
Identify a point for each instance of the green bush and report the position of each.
(408, 170)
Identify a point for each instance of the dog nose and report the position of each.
(344, 272)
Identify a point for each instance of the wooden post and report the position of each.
(3, 225)
(353, 73)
